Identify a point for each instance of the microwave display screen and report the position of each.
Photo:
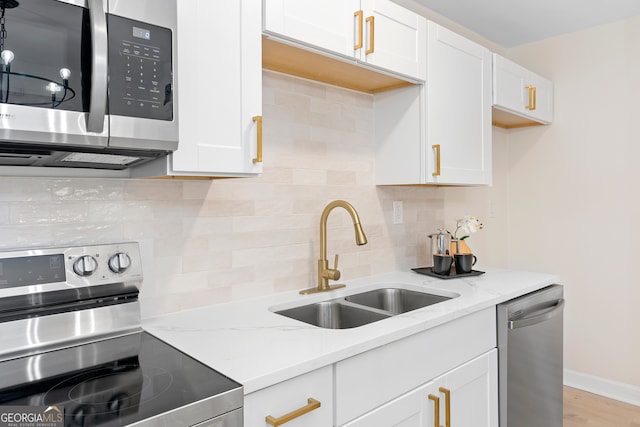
(140, 69)
(141, 33)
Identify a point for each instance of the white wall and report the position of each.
(573, 201)
(570, 203)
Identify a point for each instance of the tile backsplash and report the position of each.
(207, 242)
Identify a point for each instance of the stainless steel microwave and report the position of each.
(87, 83)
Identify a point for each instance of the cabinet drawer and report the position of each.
(370, 379)
(293, 395)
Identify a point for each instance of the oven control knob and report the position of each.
(85, 265)
(119, 263)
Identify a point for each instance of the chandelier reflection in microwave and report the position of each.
(59, 91)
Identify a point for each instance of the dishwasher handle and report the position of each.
(533, 320)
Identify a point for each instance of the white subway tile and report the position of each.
(215, 241)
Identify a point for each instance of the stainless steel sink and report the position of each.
(395, 300)
(333, 314)
(363, 308)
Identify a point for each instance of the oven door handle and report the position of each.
(99, 63)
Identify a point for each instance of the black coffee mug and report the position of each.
(442, 264)
(464, 263)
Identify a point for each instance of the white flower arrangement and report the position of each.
(468, 225)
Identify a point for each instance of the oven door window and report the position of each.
(45, 51)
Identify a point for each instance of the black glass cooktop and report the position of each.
(113, 382)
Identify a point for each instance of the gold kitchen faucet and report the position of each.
(324, 272)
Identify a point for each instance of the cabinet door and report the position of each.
(509, 87)
(471, 393)
(394, 38)
(543, 98)
(368, 380)
(466, 396)
(520, 91)
(294, 396)
(327, 25)
(405, 411)
(458, 109)
(220, 87)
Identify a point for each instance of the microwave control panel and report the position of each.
(140, 69)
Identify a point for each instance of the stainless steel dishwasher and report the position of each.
(530, 362)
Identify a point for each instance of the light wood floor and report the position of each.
(586, 409)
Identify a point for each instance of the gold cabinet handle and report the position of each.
(359, 15)
(310, 406)
(436, 410)
(437, 149)
(529, 105)
(447, 405)
(372, 25)
(535, 98)
(258, 158)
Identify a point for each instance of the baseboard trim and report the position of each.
(615, 390)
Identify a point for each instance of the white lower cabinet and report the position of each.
(452, 366)
(463, 397)
(467, 395)
(294, 402)
(408, 410)
(369, 381)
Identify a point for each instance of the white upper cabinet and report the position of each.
(439, 133)
(458, 109)
(220, 90)
(520, 92)
(393, 38)
(379, 33)
(326, 25)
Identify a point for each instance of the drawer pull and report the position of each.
(359, 24)
(310, 406)
(258, 158)
(436, 147)
(436, 410)
(447, 405)
(529, 105)
(535, 98)
(372, 25)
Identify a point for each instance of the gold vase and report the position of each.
(460, 247)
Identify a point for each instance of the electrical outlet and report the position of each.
(397, 212)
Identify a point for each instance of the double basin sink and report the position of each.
(363, 308)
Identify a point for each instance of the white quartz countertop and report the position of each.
(246, 341)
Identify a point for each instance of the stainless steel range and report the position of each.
(71, 339)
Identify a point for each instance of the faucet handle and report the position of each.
(333, 273)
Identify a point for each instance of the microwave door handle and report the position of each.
(99, 45)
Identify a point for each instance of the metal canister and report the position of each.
(440, 242)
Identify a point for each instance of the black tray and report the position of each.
(428, 271)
